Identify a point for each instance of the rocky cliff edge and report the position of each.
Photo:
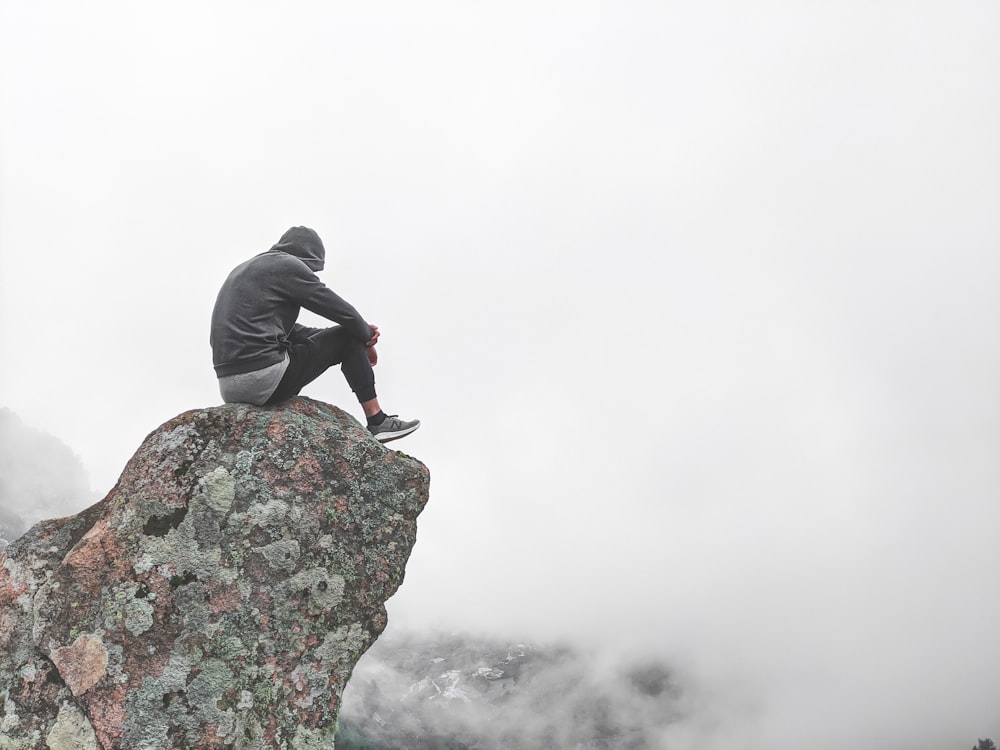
(218, 597)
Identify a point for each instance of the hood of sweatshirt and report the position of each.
(304, 244)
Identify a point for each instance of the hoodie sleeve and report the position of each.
(304, 288)
(301, 332)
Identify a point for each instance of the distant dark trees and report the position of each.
(986, 744)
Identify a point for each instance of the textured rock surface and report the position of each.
(221, 593)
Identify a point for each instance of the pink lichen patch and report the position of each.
(96, 556)
(271, 731)
(83, 664)
(140, 667)
(147, 656)
(11, 589)
(276, 430)
(106, 710)
(210, 738)
(224, 598)
(314, 718)
(382, 570)
(307, 473)
(165, 596)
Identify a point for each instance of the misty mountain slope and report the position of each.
(11, 527)
(454, 693)
(40, 477)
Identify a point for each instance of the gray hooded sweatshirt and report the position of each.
(254, 317)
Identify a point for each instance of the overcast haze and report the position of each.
(698, 303)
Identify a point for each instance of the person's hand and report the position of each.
(372, 355)
(375, 334)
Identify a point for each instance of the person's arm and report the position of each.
(301, 332)
(333, 307)
(304, 287)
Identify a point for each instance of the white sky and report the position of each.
(697, 302)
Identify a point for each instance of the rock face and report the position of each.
(218, 597)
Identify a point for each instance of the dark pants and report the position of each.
(311, 357)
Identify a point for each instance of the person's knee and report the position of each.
(334, 345)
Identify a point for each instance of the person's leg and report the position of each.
(371, 407)
(310, 358)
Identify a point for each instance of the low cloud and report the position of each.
(427, 692)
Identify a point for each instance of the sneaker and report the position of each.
(392, 428)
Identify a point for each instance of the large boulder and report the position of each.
(218, 597)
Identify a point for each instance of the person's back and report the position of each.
(262, 356)
(252, 315)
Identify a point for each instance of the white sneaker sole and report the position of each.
(385, 437)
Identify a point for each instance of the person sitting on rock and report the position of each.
(262, 356)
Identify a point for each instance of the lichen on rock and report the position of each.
(221, 593)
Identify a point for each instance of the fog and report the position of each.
(40, 477)
(428, 692)
(697, 303)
